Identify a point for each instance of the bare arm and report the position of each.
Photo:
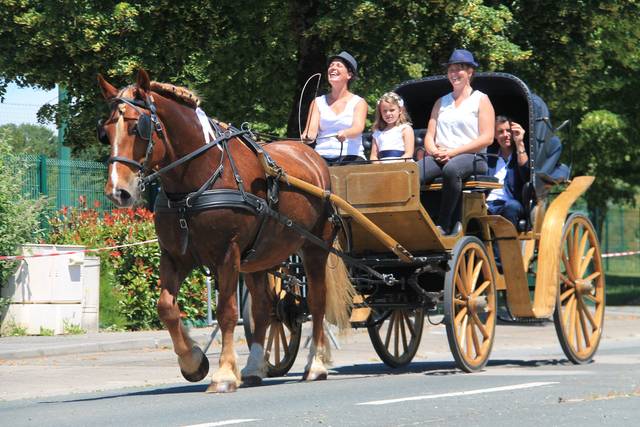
(408, 139)
(313, 124)
(357, 126)
(430, 136)
(486, 130)
(374, 150)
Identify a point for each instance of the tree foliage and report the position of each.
(249, 59)
(29, 139)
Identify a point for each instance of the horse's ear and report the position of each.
(144, 82)
(108, 91)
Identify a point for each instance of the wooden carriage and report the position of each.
(550, 264)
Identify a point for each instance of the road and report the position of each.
(527, 382)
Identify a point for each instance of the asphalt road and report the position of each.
(527, 382)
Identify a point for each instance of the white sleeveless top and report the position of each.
(390, 139)
(330, 124)
(458, 126)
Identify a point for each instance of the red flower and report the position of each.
(96, 204)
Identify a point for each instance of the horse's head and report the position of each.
(135, 134)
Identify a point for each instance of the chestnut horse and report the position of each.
(152, 126)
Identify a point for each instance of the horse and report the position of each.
(210, 214)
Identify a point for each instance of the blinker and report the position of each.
(101, 133)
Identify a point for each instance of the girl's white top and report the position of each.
(390, 139)
(457, 126)
(331, 123)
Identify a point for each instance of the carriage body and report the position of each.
(550, 263)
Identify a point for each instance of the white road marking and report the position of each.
(225, 423)
(459, 393)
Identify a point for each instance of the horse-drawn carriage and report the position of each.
(550, 255)
(247, 207)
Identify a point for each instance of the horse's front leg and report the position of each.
(227, 377)
(194, 365)
(261, 307)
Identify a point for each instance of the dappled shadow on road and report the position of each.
(192, 388)
(529, 363)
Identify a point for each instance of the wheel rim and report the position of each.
(396, 337)
(472, 308)
(581, 299)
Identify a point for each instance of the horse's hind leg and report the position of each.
(261, 307)
(194, 365)
(315, 260)
(227, 377)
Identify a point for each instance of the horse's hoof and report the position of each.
(222, 387)
(251, 381)
(314, 376)
(200, 373)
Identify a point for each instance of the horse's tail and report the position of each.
(340, 291)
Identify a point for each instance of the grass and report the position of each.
(72, 328)
(110, 316)
(622, 289)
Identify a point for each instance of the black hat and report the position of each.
(461, 56)
(349, 60)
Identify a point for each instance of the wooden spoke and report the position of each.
(390, 327)
(269, 342)
(476, 275)
(579, 334)
(566, 280)
(409, 323)
(463, 330)
(462, 271)
(592, 276)
(470, 271)
(567, 311)
(480, 289)
(586, 261)
(476, 342)
(583, 324)
(403, 331)
(461, 287)
(459, 302)
(480, 325)
(460, 315)
(469, 340)
(396, 335)
(572, 320)
(276, 344)
(568, 267)
(587, 313)
(574, 256)
(283, 340)
(583, 243)
(594, 299)
(566, 294)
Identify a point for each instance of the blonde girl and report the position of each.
(392, 132)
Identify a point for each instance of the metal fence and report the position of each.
(621, 233)
(71, 183)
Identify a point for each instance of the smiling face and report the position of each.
(338, 72)
(390, 112)
(459, 75)
(504, 135)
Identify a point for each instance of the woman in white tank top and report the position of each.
(461, 124)
(336, 120)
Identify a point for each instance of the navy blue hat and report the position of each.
(461, 56)
(349, 60)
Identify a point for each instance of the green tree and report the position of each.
(29, 139)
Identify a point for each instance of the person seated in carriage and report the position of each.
(510, 164)
(461, 124)
(337, 119)
(392, 138)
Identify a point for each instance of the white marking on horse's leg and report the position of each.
(315, 368)
(256, 365)
(120, 127)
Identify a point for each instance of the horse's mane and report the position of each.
(177, 93)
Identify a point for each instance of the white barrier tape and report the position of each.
(616, 254)
(108, 248)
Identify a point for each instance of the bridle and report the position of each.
(145, 125)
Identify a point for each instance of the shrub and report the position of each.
(134, 269)
(18, 216)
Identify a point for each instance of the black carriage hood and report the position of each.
(509, 95)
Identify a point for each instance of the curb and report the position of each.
(122, 344)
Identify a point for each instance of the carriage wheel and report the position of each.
(396, 334)
(282, 338)
(470, 304)
(579, 313)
